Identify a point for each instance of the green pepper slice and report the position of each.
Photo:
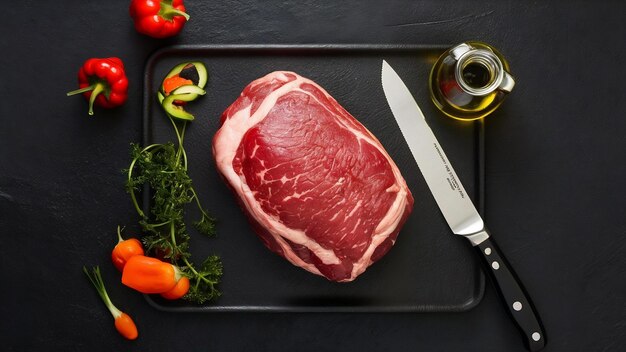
(183, 93)
(203, 74)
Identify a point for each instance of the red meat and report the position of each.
(318, 187)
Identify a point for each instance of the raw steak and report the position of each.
(318, 187)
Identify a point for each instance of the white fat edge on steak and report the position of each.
(233, 130)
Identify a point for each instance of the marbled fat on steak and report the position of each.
(317, 186)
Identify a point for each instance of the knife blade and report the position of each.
(457, 207)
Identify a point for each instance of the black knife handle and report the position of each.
(513, 294)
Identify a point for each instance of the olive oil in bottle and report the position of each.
(470, 80)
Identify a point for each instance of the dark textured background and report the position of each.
(555, 172)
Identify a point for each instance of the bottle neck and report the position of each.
(479, 72)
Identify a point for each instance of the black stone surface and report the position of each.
(555, 167)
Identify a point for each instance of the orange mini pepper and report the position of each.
(124, 249)
(123, 322)
(181, 289)
(150, 275)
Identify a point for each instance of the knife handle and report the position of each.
(513, 295)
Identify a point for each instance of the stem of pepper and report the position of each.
(168, 12)
(119, 235)
(95, 89)
(81, 90)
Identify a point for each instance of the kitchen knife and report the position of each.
(456, 206)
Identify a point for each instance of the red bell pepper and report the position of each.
(158, 19)
(103, 82)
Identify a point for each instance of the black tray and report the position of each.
(428, 270)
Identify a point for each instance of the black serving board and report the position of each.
(428, 270)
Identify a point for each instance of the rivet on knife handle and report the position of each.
(513, 294)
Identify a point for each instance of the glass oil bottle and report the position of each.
(470, 80)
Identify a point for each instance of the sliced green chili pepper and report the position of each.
(203, 74)
(181, 85)
(183, 93)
